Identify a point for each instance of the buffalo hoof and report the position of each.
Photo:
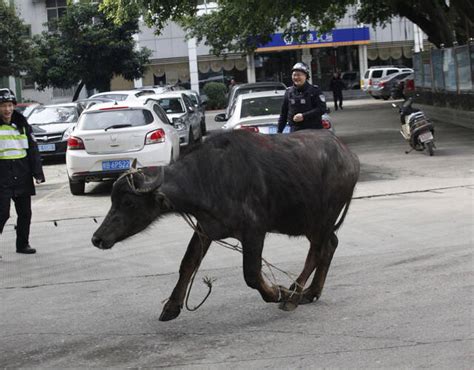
(287, 306)
(289, 299)
(308, 297)
(170, 311)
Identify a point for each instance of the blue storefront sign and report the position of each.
(336, 37)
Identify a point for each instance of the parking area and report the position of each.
(399, 292)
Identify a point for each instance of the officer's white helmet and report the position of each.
(302, 67)
(6, 95)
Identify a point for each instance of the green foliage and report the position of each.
(216, 95)
(14, 43)
(241, 25)
(87, 47)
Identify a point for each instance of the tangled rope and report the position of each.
(235, 247)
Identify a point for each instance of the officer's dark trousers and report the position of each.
(337, 99)
(23, 210)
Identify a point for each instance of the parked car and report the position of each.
(383, 88)
(258, 112)
(374, 74)
(250, 88)
(157, 89)
(404, 88)
(409, 88)
(351, 80)
(109, 136)
(51, 126)
(396, 92)
(26, 108)
(93, 101)
(200, 106)
(182, 114)
(121, 95)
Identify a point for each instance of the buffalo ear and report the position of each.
(134, 164)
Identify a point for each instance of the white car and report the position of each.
(374, 74)
(109, 136)
(121, 95)
(182, 114)
(259, 112)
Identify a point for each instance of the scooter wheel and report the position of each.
(430, 145)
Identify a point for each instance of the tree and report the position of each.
(443, 24)
(14, 42)
(241, 25)
(86, 48)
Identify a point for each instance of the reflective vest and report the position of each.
(13, 144)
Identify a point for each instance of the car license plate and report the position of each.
(115, 165)
(425, 136)
(272, 129)
(46, 147)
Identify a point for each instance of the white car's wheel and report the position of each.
(77, 187)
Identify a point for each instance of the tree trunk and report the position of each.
(78, 91)
(433, 18)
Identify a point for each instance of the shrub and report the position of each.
(216, 95)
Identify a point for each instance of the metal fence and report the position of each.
(445, 70)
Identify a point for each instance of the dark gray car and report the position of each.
(383, 88)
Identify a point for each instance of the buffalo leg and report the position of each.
(317, 285)
(252, 247)
(195, 252)
(296, 288)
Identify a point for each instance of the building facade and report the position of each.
(350, 47)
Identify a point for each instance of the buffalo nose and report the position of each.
(96, 241)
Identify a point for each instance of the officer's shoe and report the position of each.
(26, 250)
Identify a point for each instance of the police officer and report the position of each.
(303, 104)
(20, 162)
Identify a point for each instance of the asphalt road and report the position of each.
(398, 294)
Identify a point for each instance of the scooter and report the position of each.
(416, 128)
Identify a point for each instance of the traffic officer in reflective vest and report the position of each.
(303, 104)
(20, 162)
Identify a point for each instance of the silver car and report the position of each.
(182, 114)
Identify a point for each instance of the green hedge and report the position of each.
(216, 95)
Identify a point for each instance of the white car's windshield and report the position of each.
(48, 115)
(101, 120)
(171, 105)
(261, 106)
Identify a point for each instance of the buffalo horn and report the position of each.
(150, 186)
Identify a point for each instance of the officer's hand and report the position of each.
(298, 117)
(39, 180)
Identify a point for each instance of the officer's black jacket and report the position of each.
(336, 85)
(308, 100)
(16, 175)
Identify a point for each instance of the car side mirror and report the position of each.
(220, 117)
(191, 109)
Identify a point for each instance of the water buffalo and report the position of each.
(244, 185)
